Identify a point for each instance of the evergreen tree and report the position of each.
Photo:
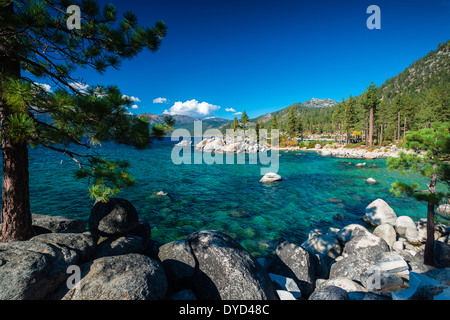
(244, 120)
(235, 124)
(350, 117)
(292, 123)
(432, 160)
(35, 39)
(370, 102)
(274, 123)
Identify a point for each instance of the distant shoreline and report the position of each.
(342, 152)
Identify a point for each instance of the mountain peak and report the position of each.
(319, 103)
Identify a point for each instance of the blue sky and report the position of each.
(262, 56)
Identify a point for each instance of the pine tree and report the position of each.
(370, 103)
(235, 124)
(36, 39)
(274, 123)
(244, 120)
(292, 123)
(432, 160)
(350, 117)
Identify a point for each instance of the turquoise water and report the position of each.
(228, 198)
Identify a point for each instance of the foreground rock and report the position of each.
(57, 223)
(115, 217)
(126, 277)
(33, 270)
(336, 264)
(226, 271)
(299, 264)
(426, 287)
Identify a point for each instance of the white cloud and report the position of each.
(46, 87)
(134, 106)
(230, 110)
(79, 86)
(237, 113)
(160, 100)
(192, 108)
(131, 98)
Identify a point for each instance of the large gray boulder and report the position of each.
(178, 260)
(360, 253)
(119, 246)
(379, 212)
(366, 245)
(329, 293)
(444, 210)
(325, 245)
(403, 223)
(346, 284)
(58, 223)
(115, 217)
(33, 270)
(299, 264)
(387, 233)
(78, 246)
(346, 233)
(351, 267)
(125, 277)
(375, 280)
(226, 271)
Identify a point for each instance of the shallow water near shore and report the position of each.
(229, 197)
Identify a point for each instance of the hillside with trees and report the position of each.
(413, 100)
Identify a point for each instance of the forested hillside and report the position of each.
(414, 99)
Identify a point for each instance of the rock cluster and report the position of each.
(117, 259)
(231, 145)
(361, 153)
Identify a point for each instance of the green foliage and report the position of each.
(286, 142)
(20, 127)
(431, 158)
(106, 177)
(244, 120)
(35, 38)
(274, 123)
(370, 98)
(294, 124)
(235, 125)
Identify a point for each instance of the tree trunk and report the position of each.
(429, 245)
(404, 131)
(15, 213)
(381, 135)
(371, 127)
